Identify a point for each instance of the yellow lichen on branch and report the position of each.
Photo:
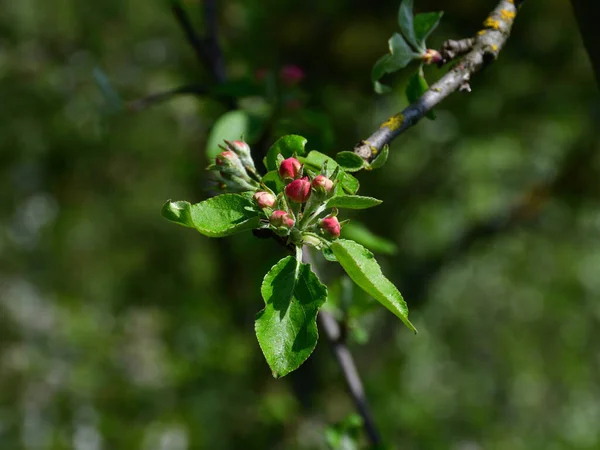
(507, 15)
(394, 122)
(491, 23)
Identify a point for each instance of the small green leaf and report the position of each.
(361, 234)
(273, 181)
(285, 146)
(231, 126)
(405, 21)
(381, 159)
(349, 183)
(328, 254)
(353, 202)
(361, 267)
(315, 160)
(424, 25)
(350, 161)
(216, 217)
(416, 87)
(286, 328)
(401, 54)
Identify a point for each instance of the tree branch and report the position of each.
(587, 13)
(332, 330)
(206, 48)
(486, 47)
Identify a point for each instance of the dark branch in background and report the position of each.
(153, 99)
(213, 50)
(485, 48)
(587, 13)
(332, 329)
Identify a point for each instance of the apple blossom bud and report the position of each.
(291, 75)
(290, 169)
(322, 184)
(431, 56)
(228, 159)
(242, 150)
(298, 190)
(280, 219)
(331, 226)
(264, 199)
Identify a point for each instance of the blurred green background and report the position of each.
(120, 330)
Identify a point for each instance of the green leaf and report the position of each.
(216, 217)
(350, 161)
(405, 21)
(316, 160)
(231, 126)
(273, 181)
(401, 54)
(381, 159)
(361, 267)
(353, 202)
(416, 87)
(349, 183)
(286, 329)
(361, 234)
(424, 25)
(286, 146)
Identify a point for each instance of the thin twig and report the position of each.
(332, 331)
(486, 47)
(153, 99)
(193, 38)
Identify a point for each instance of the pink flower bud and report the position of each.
(298, 190)
(322, 184)
(227, 158)
(291, 75)
(290, 169)
(264, 199)
(280, 218)
(331, 226)
(431, 56)
(239, 146)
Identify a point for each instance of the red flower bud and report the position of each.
(291, 75)
(290, 169)
(322, 184)
(264, 199)
(298, 190)
(280, 218)
(331, 226)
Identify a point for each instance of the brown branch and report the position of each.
(330, 326)
(207, 47)
(486, 47)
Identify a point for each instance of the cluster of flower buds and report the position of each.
(234, 167)
(296, 211)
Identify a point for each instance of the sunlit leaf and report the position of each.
(216, 217)
(285, 146)
(286, 328)
(360, 265)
